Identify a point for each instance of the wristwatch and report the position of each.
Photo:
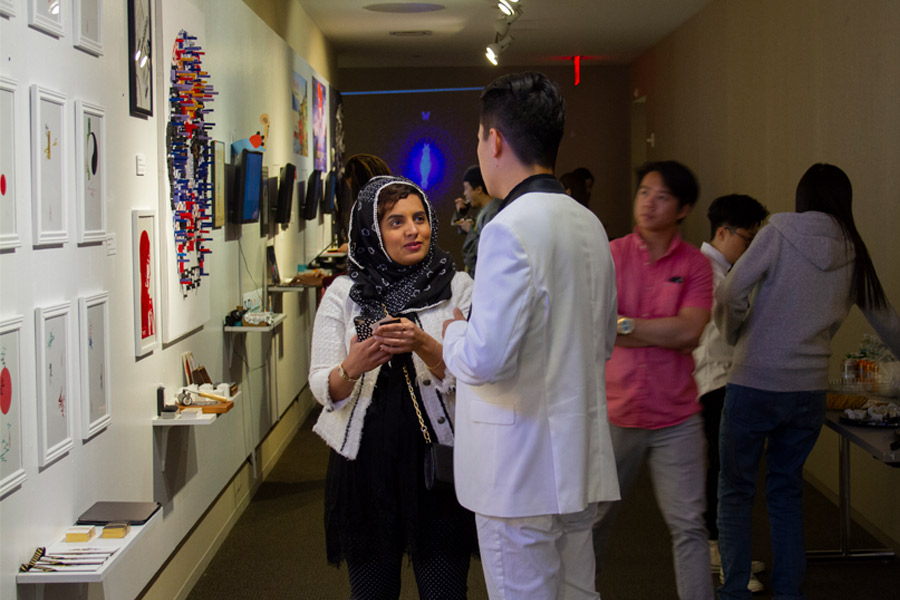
(625, 325)
(343, 374)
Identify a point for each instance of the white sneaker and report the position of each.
(715, 559)
(754, 585)
(757, 566)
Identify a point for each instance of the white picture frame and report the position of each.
(145, 267)
(8, 8)
(12, 470)
(90, 171)
(54, 374)
(9, 190)
(87, 26)
(48, 161)
(93, 326)
(48, 16)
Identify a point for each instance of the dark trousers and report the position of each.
(712, 417)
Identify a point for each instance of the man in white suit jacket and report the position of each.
(532, 452)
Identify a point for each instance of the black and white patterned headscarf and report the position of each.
(379, 283)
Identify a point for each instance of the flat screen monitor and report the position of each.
(248, 187)
(285, 194)
(313, 195)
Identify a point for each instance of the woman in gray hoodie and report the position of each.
(807, 269)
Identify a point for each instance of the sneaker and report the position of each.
(757, 566)
(754, 585)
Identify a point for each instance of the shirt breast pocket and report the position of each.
(669, 300)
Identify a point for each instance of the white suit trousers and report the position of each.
(547, 556)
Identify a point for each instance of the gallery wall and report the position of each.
(749, 95)
(392, 125)
(129, 459)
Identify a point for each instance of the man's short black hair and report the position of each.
(737, 211)
(529, 110)
(678, 178)
(474, 178)
(584, 173)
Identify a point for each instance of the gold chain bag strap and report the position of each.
(438, 457)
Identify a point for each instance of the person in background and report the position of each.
(665, 296)
(478, 208)
(804, 271)
(358, 170)
(533, 455)
(733, 220)
(585, 175)
(376, 504)
(575, 187)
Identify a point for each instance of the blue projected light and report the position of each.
(425, 163)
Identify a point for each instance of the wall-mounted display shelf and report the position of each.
(290, 288)
(201, 419)
(119, 545)
(251, 329)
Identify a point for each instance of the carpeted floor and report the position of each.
(276, 549)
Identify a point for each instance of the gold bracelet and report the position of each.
(343, 374)
(439, 363)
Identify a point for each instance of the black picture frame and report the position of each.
(140, 57)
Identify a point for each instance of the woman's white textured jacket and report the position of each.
(341, 422)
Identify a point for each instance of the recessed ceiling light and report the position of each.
(421, 33)
(404, 7)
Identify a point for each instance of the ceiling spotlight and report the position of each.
(505, 7)
(501, 26)
(494, 50)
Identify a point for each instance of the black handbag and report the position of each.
(438, 457)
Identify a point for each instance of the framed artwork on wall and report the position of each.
(8, 8)
(48, 16)
(90, 171)
(93, 325)
(140, 57)
(143, 250)
(87, 30)
(9, 197)
(12, 472)
(51, 325)
(48, 143)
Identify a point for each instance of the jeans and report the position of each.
(675, 457)
(786, 425)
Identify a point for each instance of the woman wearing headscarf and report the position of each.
(377, 506)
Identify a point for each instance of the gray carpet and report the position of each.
(276, 549)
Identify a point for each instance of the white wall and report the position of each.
(123, 462)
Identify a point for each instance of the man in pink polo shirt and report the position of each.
(665, 296)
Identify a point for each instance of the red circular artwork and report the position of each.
(5, 390)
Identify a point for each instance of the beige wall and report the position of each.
(596, 129)
(750, 94)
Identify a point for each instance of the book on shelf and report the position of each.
(80, 533)
(116, 530)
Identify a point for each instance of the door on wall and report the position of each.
(639, 137)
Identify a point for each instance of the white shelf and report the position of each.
(245, 329)
(122, 546)
(292, 288)
(201, 419)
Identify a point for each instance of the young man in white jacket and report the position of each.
(533, 454)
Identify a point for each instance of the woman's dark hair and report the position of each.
(575, 186)
(529, 110)
(390, 195)
(825, 188)
(360, 168)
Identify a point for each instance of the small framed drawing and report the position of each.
(12, 471)
(47, 16)
(93, 325)
(143, 250)
(51, 325)
(90, 169)
(8, 8)
(140, 57)
(87, 30)
(48, 143)
(9, 203)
